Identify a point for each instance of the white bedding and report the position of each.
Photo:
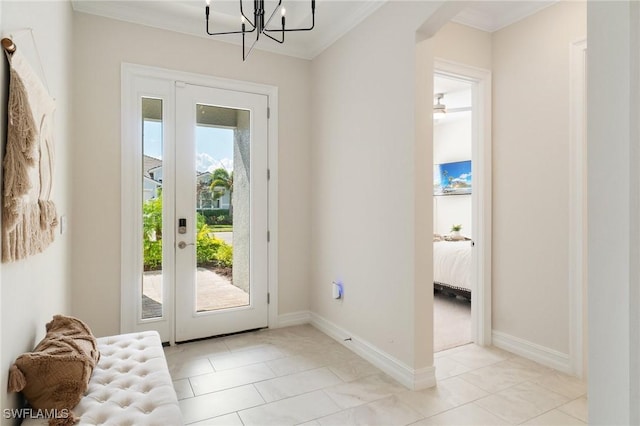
(452, 263)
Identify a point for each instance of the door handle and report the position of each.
(182, 244)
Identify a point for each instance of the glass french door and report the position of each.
(220, 214)
(194, 188)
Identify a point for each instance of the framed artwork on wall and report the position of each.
(452, 178)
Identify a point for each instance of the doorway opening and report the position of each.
(453, 279)
(196, 184)
(463, 141)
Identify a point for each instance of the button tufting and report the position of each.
(125, 381)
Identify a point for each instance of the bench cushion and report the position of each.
(130, 384)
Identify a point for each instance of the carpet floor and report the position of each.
(452, 322)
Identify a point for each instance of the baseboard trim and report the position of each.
(413, 379)
(538, 353)
(293, 318)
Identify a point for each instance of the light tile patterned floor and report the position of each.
(298, 375)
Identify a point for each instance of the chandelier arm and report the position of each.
(273, 38)
(245, 16)
(253, 27)
(313, 22)
(228, 32)
(264, 28)
(231, 32)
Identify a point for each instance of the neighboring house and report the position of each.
(152, 177)
(205, 199)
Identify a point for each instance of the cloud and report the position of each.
(206, 163)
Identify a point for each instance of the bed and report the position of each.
(452, 267)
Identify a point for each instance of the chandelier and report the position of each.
(258, 24)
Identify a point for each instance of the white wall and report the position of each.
(451, 143)
(364, 148)
(100, 46)
(531, 157)
(35, 289)
(613, 210)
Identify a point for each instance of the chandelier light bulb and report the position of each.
(283, 10)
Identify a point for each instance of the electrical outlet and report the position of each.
(337, 289)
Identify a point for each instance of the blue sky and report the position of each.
(460, 170)
(214, 146)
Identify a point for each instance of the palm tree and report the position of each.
(221, 182)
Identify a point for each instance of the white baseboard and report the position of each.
(412, 379)
(293, 318)
(540, 354)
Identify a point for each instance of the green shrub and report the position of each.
(216, 217)
(209, 250)
(207, 245)
(152, 255)
(225, 255)
(152, 233)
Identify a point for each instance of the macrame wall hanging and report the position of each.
(29, 215)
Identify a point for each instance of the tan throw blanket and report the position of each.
(29, 216)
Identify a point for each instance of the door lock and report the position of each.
(182, 244)
(182, 226)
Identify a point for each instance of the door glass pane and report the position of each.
(152, 208)
(222, 208)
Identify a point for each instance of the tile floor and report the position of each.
(298, 375)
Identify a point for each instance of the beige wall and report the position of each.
(531, 157)
(530, 68)
(35, 289)
(100, 46)
(351, 166)
(466, 45)
(365, 184)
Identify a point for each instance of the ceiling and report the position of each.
(334, 18)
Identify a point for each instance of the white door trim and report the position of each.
(481, 194)
(131, 260)
(577, 207)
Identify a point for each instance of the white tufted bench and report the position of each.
(130, 385)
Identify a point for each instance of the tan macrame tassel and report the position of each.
(20, 153)
(29, 217)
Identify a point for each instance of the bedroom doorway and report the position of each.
(452, 212)
(461, 205)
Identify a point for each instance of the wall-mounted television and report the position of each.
(452, 178)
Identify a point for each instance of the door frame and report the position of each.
(578, 210)
(133, 79)
(480, 80)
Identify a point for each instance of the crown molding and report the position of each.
(186, 19)
(481, 16)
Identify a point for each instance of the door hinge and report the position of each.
(268, 298)
(268, 236)
(268, 174)
(268, 113)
